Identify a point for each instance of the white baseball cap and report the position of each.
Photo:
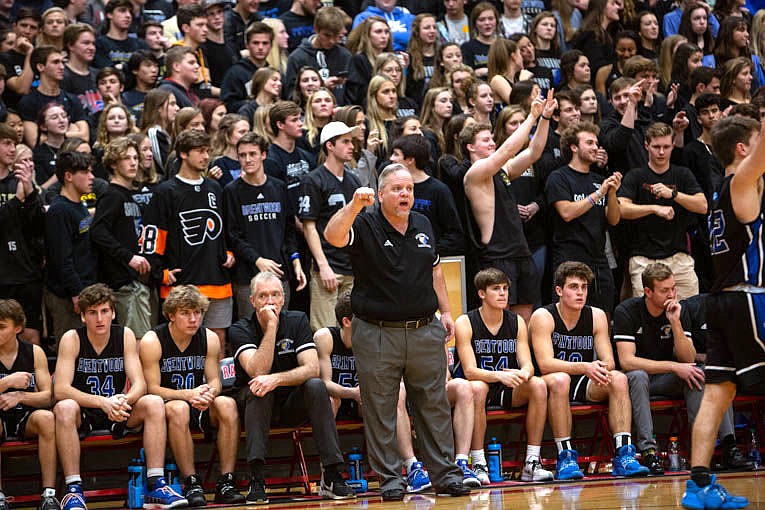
(334, 129)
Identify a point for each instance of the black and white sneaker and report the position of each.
(225, 491)
(193, 491)
(333, 486)
(256, 495)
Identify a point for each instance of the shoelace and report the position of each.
(226, 488)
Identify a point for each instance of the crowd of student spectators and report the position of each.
(648, 80)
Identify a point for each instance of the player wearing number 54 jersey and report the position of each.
(573, 338)
(180, 363)
(95, 364)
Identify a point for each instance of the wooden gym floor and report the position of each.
(603, 493)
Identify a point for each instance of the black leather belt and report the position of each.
(413, 324)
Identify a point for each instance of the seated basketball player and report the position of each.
(572, 337)
(25, 385)
(493, 353)
(95, 364)
(338, 370)
(180, 363)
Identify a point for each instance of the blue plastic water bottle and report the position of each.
(357, 481)
(494, 457)
(171, 478)
(135, 485)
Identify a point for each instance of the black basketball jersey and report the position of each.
(24, 362)
(576, 344)
(182, 370)
(101, 374)
(737, 249)
(343, 362)
(507, 238)
(493, 352)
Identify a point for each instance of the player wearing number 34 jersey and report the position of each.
(95, 364)
(573, 338)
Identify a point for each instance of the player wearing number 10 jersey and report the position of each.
(95, 363)
(180, 363)
(573, 338)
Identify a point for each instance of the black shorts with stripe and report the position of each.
(14, 423)
(736, 346)
(577, 392)
(499, 396)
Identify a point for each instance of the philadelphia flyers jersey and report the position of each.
(343, 362)
(101, 373)
(576, 344)
(492, 352)
(181, 370)
(184, 229)
(24, 362)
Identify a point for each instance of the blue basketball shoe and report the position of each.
(568, 467)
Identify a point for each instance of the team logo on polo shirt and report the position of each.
(285, 346)
(423, 241)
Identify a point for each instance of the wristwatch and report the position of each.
(674, 194)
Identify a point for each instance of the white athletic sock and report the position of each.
(460, 456)
(408, 464)
(532, 451)
(69, 480)
(563, 443)
(155, 472)
(478, 457)
(49, 492)
(621, 439)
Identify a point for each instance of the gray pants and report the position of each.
(307, 402)
(643, 385)
(383, 357)
(132, 305)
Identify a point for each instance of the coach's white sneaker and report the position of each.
(533, 472)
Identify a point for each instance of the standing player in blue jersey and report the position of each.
(571, 337)
(735, 350)
(95, 364)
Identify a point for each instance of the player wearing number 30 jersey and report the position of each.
(95, 364)
(180, 363)
(573, 338)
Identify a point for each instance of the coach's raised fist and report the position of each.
(364, 196)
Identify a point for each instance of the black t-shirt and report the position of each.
(322, 194)
(134, 99)
(583, 238)
(393, 272)
(290, 167)
(33, 103)
(293, 336)
(298, 28)
(44, 157)
(655, 237)
(475, 53)
(219, 59)
(14, 66)
(115, 53)
(433, 199)
(651, 335)
(85, 88)
(527, 188)
(705, 166)
(696, 309)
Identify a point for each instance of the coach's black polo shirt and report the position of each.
(393, 273)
